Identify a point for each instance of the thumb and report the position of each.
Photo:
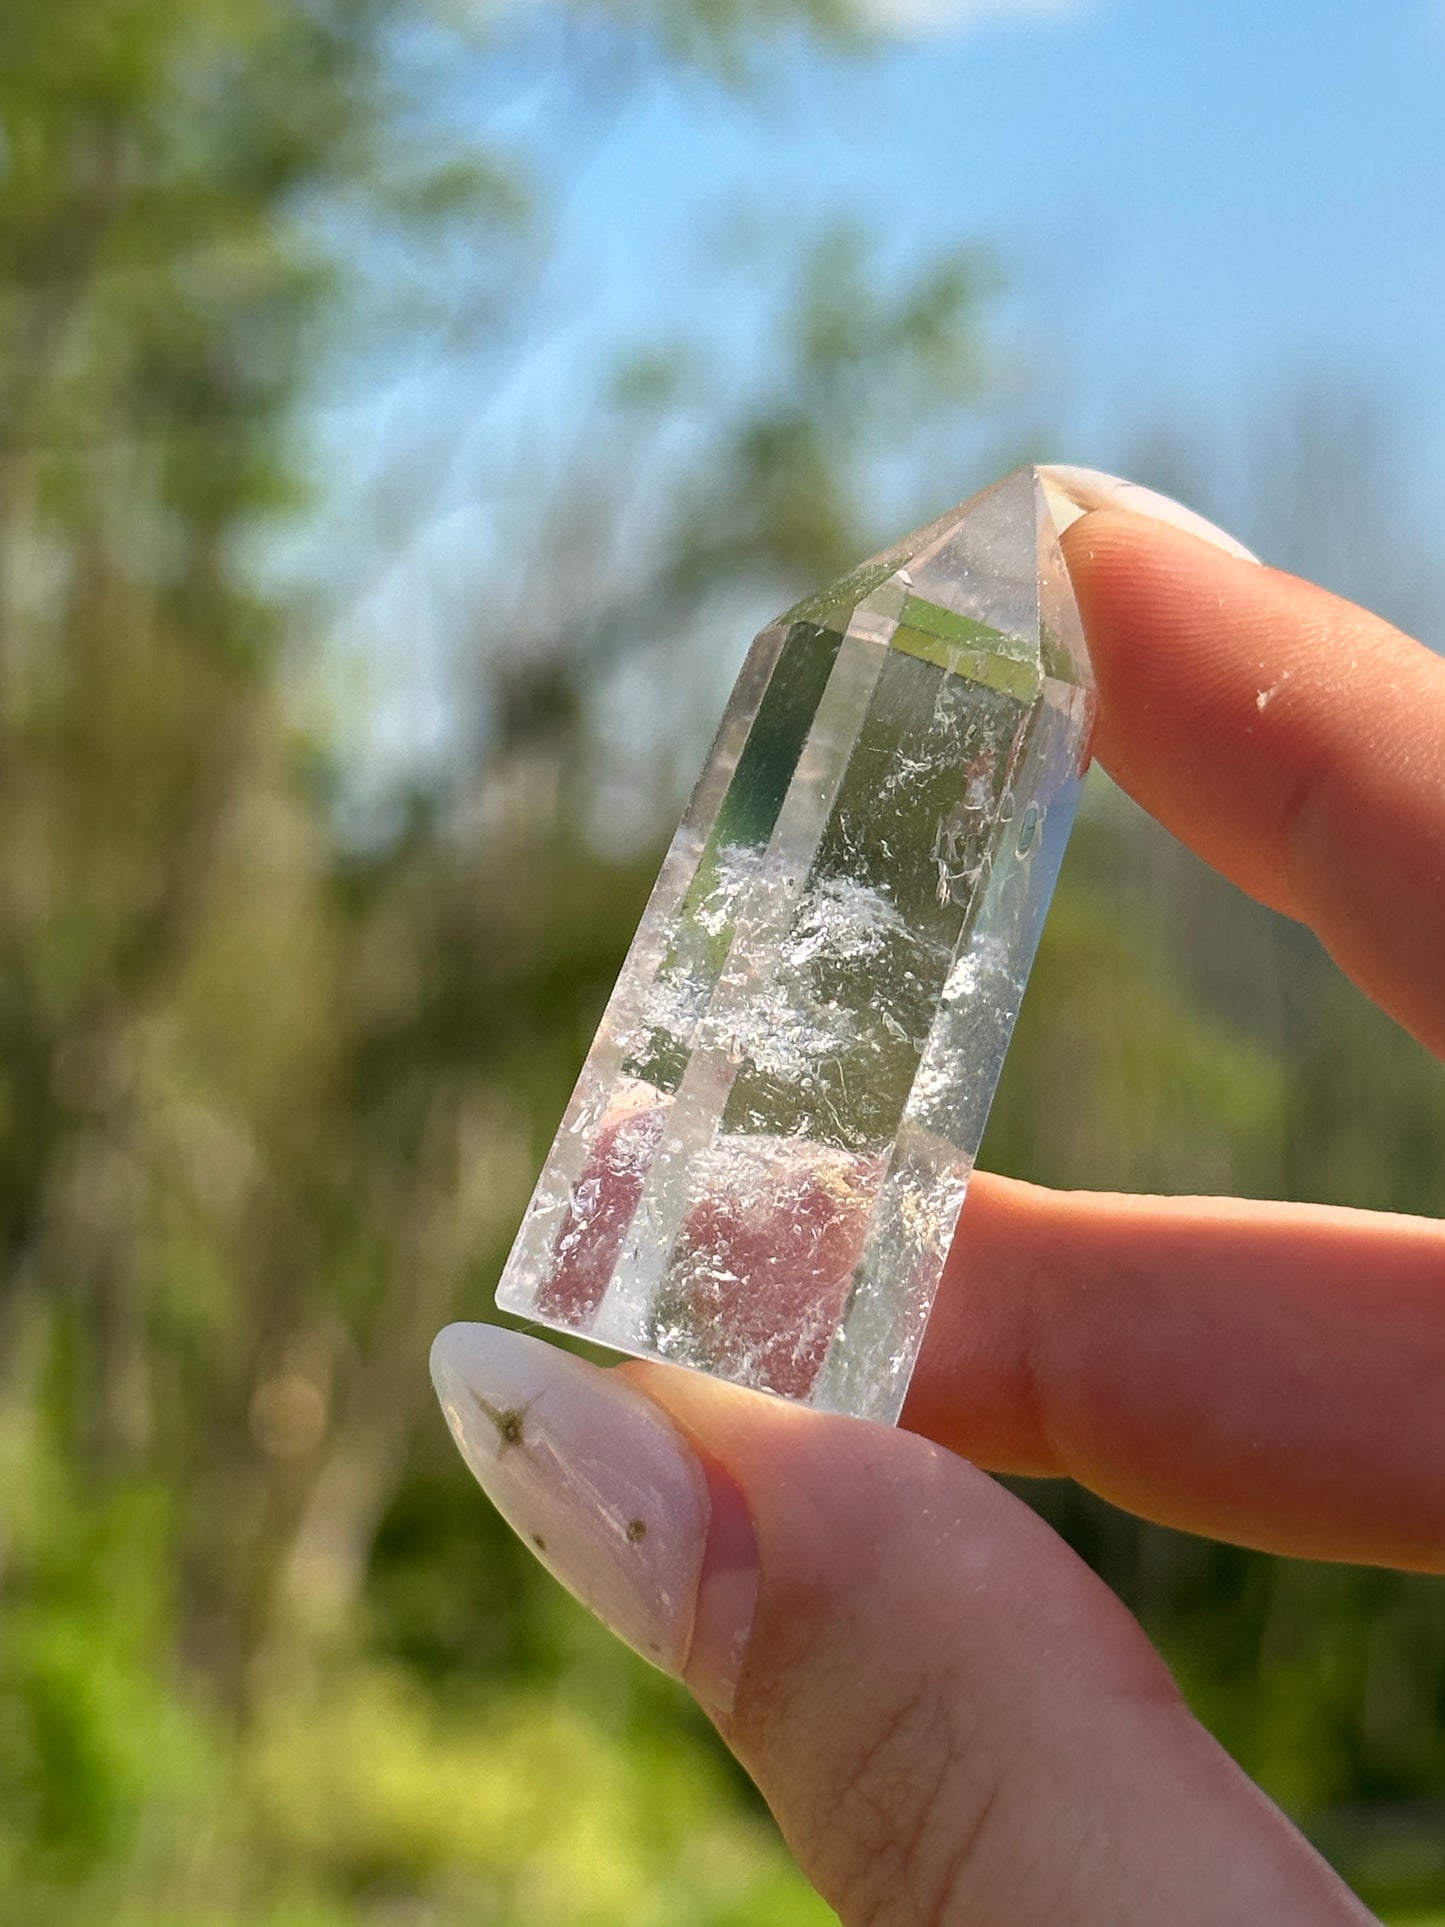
(951, 1718)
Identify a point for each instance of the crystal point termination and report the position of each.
(763, 1162)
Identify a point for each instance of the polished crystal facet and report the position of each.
(764, 1159)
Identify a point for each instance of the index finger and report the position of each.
(1296, 742)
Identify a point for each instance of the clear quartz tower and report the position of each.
(763, 1162)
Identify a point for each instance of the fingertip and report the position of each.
(1201, 659)
(1288, 737)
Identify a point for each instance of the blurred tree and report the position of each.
(169, 941)
(266, 1099)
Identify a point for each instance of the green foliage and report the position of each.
(524, 1804)
(93, 1740)
(1176, 1098)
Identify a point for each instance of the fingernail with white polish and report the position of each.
(611, 1497)
(1091, 488)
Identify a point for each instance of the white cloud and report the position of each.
(934, 19)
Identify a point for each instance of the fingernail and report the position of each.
(1091, 488)
(611, 1497)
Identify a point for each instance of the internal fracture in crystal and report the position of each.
(763, 1163)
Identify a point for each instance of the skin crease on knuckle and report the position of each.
(886, 1769)
(895, 1826)
(908, 1791)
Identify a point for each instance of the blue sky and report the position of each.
(1194, 205)
(1197, 209)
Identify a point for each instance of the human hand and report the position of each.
(951, 1718)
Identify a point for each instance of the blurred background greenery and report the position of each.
(288, 1018)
